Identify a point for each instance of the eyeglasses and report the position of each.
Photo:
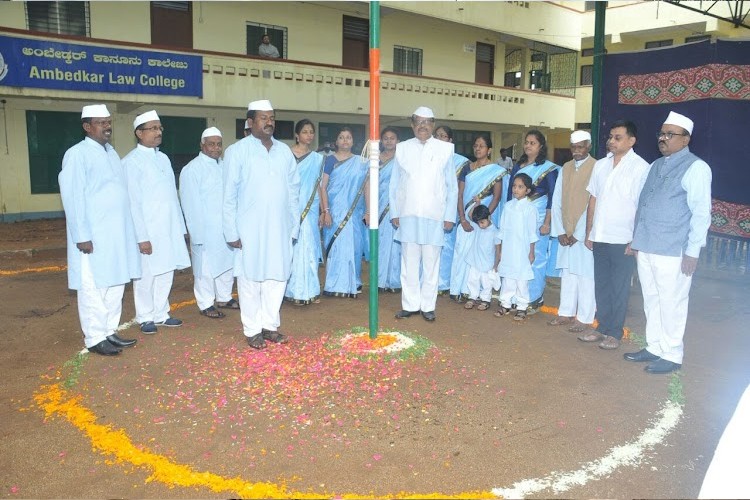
(419, 123)
(667, 135)
(155, 128)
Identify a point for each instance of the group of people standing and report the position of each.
(269, 215)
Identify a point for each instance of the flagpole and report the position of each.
(374, 161)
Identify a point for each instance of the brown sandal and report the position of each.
(502, 311)
(560, 321)
(275, 337)
(483, 306)
(212, 312)
(520, 315)
(578, 328)
(469, 304)
(230, 304)
(256, 342)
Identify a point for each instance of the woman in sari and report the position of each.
(445, 133)
(303, 286)
(389, 250)
(543, 173)
(343, 205)
(488, 181)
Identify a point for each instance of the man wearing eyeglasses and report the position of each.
(159, 225)
(102, 253)
(674, 214)
(423, 197)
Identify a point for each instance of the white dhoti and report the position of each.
(577, 297)
(416, 296)
(151, 294)
(260, 304)
(665, 302)
(209, 289)
(515, 288)
(99, 309)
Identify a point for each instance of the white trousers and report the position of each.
(480, 284)
(99, 309)
(665, 302)
(416, 296)
(518, 288)
(151, 294)
(208, 289)
(260, 304)
(577, 297)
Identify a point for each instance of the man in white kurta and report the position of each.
(201, 195)
(102, 251)
(261, 221)
(423, 197)
(159, 225)
(569, 202)
(671, 226)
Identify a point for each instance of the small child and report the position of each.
(515, 249)
(480, 258)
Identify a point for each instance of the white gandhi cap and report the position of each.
(211, 132)
(680, 121)
(424, 112)
(262, 105)
(95, 111)
(579, 136)
(148, 116)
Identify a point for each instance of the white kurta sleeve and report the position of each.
(294, 187)
(231, 185)
(697, 183)
(190, 198)
(557, 222)
(531, 225)
(72, 181)
(393, 190)
(451, 188)
(135, 193)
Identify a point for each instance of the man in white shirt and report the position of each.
(674, 214)
(201, 194)
(261, 219)
(569, 203)
(102, 250)
(423, 197)
(615, 185)
(267, 49)
(505, 160)
(159, 225)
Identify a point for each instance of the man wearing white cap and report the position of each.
(261, 221)
(569, 203)
(159, 225)
(423, 197)
(102, 250)
(674, 214)
(201, 194)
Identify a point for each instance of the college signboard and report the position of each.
(26, 62)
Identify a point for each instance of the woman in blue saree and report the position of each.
(489, 181)
(445, 133)
(342, 194)
(389, 250)
(543, 173)
(303, 286)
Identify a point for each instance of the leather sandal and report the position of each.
(275, 336)
(256, 342)
(578, 328)
(483, 306)
(502, 311)
(560, 321)
(520, 315)
(592, 337)
(212, 312)
(230, 304)
(469, 304)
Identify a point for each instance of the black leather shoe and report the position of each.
(117, 341)
(662, 366)
(405, 314)
(429, 315)
(642, 355)
(105, 349)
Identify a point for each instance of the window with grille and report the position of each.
(587, 74)
(658, 43)
(277, 34)
(407, 60)
(587, 52)
(64, 18)
(172, 24)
